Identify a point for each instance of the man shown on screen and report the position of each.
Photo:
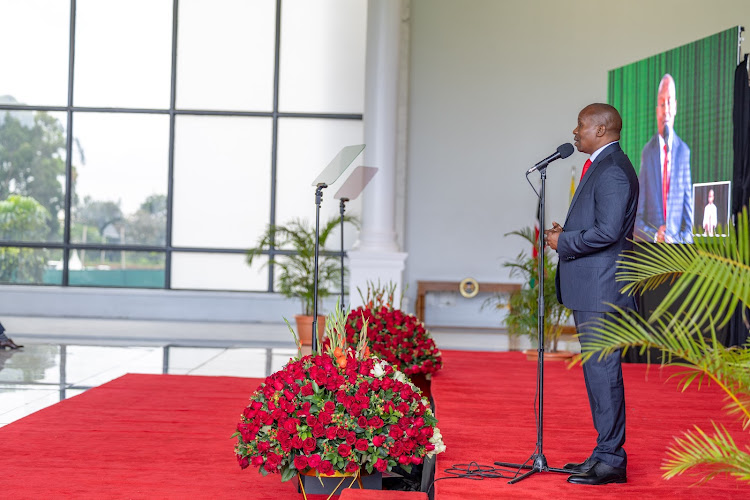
(665, 207)
(710, 217)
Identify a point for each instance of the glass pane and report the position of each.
(123, 53)
(120, 191)
(34, 35)
(222, 179)
(225, 55)
(31, 266)
(32, 175)
(116, 268)
(306, 147)
(323, 56)
(215, 271)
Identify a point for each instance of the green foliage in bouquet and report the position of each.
(711, 279)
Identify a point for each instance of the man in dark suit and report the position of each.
(598, 228)
(665, 208)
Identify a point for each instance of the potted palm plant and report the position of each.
(522, 317)
(291, 249)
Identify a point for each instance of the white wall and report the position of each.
(497, 85)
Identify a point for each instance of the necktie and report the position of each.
(585, 168)
(665, 183)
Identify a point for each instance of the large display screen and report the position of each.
(676, 109)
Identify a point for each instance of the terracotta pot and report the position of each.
(304, 328)
(533, 355)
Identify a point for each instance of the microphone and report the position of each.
(563, 151)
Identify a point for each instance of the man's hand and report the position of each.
(551, 235)
(660, 234)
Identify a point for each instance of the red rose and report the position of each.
(331, 432)
(313, 461)
(362, 421)
(247, 433)
(325, 467)
(381, 465)
(311, 420)
(297, 442)
(244, 462)
(376, 422)
(307, 390)
(361, 445)
(318, 431)
(397, 449)
(344, 450)
(272, 462)
(291, 425)
(351, 466)
(325, 418)
(378, 441)
(300, 462)
(263, 446)
(257, 461)
(404, 459)
(329, 407)
(416, 460)
(341, 432)
(309, 445)
(351, 438)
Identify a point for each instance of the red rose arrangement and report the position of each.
(397, 337)
(317, 414)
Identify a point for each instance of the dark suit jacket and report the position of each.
(679, 220)
(597, 230)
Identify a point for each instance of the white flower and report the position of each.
(400, 377)
(377, 370)
(437, 440)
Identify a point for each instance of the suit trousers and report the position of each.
(606, 394)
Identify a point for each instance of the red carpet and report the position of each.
(167, 436)
(484, 404)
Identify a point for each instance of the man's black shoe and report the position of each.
(600, 473)
(580, 467)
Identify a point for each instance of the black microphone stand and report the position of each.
(539, 460)
(318, 200)
(342, 209)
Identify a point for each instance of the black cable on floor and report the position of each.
(478, 472)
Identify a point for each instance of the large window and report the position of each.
(149, 143)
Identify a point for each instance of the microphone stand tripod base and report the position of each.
(540, 465)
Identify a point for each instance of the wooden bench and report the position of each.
(424, 287)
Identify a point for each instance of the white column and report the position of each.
(376, 256)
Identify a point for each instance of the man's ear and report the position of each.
(601, 130)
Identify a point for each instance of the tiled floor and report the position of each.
(64, 357)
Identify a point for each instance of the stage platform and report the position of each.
(169, 436)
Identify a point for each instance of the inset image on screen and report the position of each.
(712, 207)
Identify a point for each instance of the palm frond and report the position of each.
(717, 454)
(683, 344)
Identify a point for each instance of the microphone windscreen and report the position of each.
(565, 150)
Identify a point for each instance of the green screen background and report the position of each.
(704, 79)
